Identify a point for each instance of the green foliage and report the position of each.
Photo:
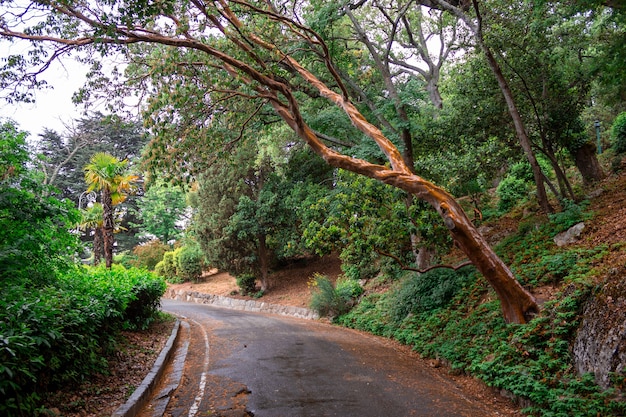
(618, 133)
(35, 238)
(185, 263)
(148, 254)
(535, 258)
(246, 284)
(161, 210)
(363, 218)
(167, 267)
(189, 262)
(421, 293)
(332, 301)
(571, 214)
(58, 334)
(511, 191)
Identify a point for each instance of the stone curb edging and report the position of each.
(245, 305)
(137, 400)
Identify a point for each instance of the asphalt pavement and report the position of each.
(232, 363)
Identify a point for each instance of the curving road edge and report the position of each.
(238, 304)
(143, 393)
(139, 397)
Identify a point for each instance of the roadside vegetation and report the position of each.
(452, 317)
(59, 320)
(269, 133)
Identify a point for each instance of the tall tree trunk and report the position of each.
(520, 130)
(107, 227)
(98, 250)
(587, 163)
(263, 262)
(432, 86)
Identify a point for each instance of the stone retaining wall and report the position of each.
(245, 305)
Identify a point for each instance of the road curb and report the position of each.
(244, 305)
(138, 399)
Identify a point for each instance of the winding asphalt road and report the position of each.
(252, 364)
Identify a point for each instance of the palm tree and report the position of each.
(106, 173)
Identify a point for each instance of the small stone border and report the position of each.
(139, 397)
(237, 304)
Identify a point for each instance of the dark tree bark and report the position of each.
(98, 250)
(587, 163)
(107, 227)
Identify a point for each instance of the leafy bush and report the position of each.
(126, 259)
(510, 191)
(421, 293)
(572, 214)
(149, 254)
(167, 267)
(247, 283)
(58, 334)
(189, 262)
(332, 301)
(618, 133)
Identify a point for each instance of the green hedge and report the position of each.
(58, 335)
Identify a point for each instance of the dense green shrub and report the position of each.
(420, 293)
(511, 191)
(189, 262)
(126, 259)
(246, 283)
(149, 254)
(185, 263)
(58, 334)
(167, 267)
(618, 133)
(332, 301)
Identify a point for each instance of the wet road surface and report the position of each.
(252, 364)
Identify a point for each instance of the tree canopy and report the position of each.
(207, 72)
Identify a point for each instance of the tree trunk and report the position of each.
(98, 251)
(433, 92)
(108, 227)
(263, 262)
(587, 163)
(518, 305)
(520, 130)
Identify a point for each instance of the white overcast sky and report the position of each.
(53, 106)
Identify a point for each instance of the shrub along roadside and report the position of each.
(466, 330)
(58, 334)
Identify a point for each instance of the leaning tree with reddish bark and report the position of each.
(269, 55)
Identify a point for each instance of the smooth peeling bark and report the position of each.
(517, 304)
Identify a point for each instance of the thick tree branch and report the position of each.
(422, 271)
